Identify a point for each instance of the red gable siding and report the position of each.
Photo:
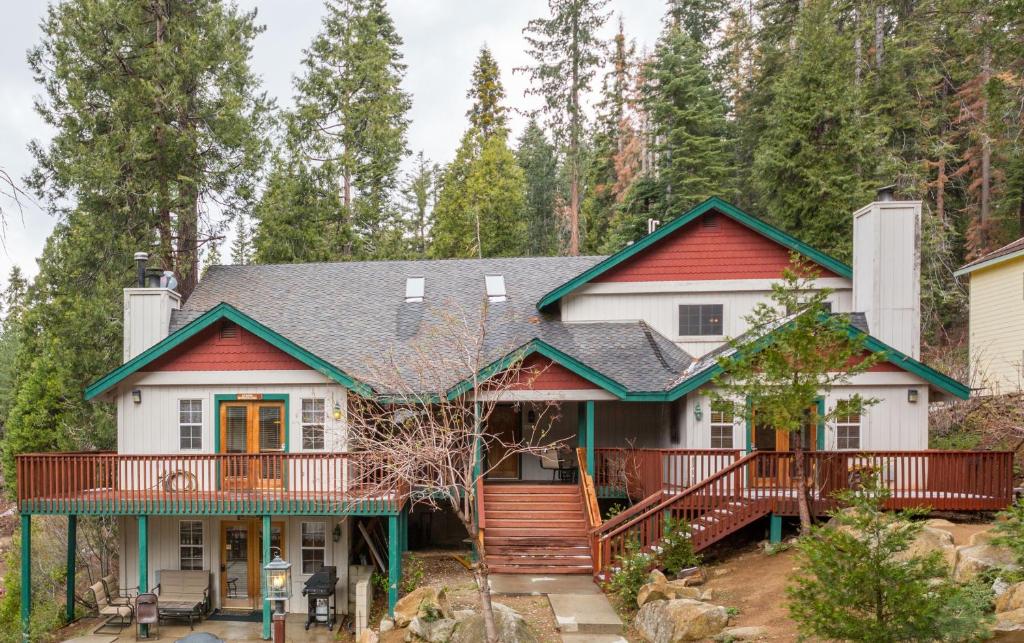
(538, 373)
(725, 250)
(207, 351)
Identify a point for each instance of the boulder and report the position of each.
(463, 614)
(386, 625)
(931, 539)
(367, 636)
(651, 592)
(437, 631)
(659, 588)
(981, 537)
(972, 560)
(1011, 599)
(512, 628)
(748, 633)
(1009, 626)
(427, 602)
(680, 619)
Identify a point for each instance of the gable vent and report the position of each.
(709, 221)
(414, 289)
(495, 288)
(229, 333)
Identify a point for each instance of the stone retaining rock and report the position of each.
(659, 588)
(438, 631)
(1011, 599)
(426, 602)
(974, 559)
(680, 619)
(1009, 626)
(512, 627)
(748, 633)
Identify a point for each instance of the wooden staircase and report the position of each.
(536, 529)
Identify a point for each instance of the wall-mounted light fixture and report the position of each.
(698, 412)
(337, 411)
(531, 417)
(336, 535)
(912, 395)
(137, 395)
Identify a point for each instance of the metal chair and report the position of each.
(108, 611)
(147, 612)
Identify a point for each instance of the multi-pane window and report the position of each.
(848, 422)
(313, 424)
(190, 424)
(721, 426)
(700, 319)
(314, 546)
(190, 544)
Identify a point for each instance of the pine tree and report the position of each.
(487, 114)
(538, 160)
(212, 257)
(567, 51)
(241, 246)
(418, 197)
(346, 135)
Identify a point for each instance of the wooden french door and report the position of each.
(764, 437)
(241, 556)
(504, 424)
(252, 428)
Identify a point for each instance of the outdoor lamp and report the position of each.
(912, 395)
(137, 395)
(278, 577)
(698, 413)
(337, 411)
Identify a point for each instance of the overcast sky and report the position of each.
(442, 38)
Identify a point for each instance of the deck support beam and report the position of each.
(775, 529)
(265, 555)
(394, 563)
(26, 576)
(69, 605)
(144, 563)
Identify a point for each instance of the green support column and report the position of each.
(394, 564)
(775, 529)
(69, 605)
(590, 436)
(26, 576)
(144, 563)
(581, 425)
(266, 561)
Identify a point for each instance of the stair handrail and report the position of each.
(628, 513)
(589, 496)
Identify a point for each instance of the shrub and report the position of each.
(1009, 530)
(412, 574)
(630, 574)
(851, 583)
(677, 547)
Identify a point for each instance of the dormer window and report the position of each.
(495, 288)
(414, 289)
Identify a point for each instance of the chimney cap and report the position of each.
(886, 193)
(141, 256)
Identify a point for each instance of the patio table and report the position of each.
(180, 610)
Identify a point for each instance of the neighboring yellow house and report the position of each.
(997, 319)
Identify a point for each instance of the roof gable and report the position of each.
(214, 315)
(625, 265)
(225, 346)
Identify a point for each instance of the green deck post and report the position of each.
(26, 576)
(69, 604)
(266, 561)
(144, 564)
(394, 564)
(775, 529)
(590, 436)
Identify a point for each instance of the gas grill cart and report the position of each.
(323, 602)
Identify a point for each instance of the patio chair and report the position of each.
(115, 594)
(549, 460)
(147, 612)
(124, 613)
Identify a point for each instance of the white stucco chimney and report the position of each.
(887, 270)
(147, 309)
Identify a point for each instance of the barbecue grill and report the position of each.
(319, 592)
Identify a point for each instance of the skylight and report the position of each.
(414, 288)
(495, 287)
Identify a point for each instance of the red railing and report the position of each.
(765, 482)
(100, 482)
(638, 473)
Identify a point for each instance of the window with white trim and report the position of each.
(700, 319)
(721, 425)
(190, 544)
(190, 425)
(313, 424)
(314, 546)
(848, 423)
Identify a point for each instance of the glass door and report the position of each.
(270, 428)
(780, 470)
(242, 561)
(235, 441)
(253, 428)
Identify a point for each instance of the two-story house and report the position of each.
(232, 406)
(996, 340)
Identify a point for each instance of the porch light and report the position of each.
(912, 395)
(337, 411)
(278, 576)
(137, 395)
(698, 412)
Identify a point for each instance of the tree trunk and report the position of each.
(801, 485)
(986, 155)
(574, 209)
(482, 573)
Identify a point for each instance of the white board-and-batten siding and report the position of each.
(152, 426)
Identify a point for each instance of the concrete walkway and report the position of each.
(581, 609)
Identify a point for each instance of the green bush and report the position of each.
(676, 547)
(630, 574)
(1009, 530)
(412, 573)
(852, 582)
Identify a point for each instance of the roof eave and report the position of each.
(971, 267)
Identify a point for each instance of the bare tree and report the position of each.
(428, 422)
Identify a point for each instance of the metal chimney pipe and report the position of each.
(886, 193)
(140, 264)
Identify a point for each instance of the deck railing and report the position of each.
(765, 481)
(637, 473)
(214, 483)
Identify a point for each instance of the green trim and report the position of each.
(212, 507)
(26, 577)
(143, 522)
(266, 561)
(69, 601)
(394, 564)
(820, 433)
(775, 529)
(714, 203)
(204, 321)
(589, 410)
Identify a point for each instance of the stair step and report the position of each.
(536, 532)
(490, 540)
(518, 512)
(557, 508)
(553, 561)
(531, 488)
(552, 552)
(540, 521)
(539, 569)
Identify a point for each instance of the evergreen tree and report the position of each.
(698, 19)
(567, 51)
(241, 246)
(346, 135)
(13, 302)
(487, 114)
(538, 160)
(212, 257)
(418, 196)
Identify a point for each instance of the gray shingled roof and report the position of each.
(1009, 249)
(350, 313)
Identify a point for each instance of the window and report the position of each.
(190, 544)
(700, 319)
(190, 424)
(847, 426)
(414, 289)
(312, 424)
(314, 546)
(721, 426)
(495, 288)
